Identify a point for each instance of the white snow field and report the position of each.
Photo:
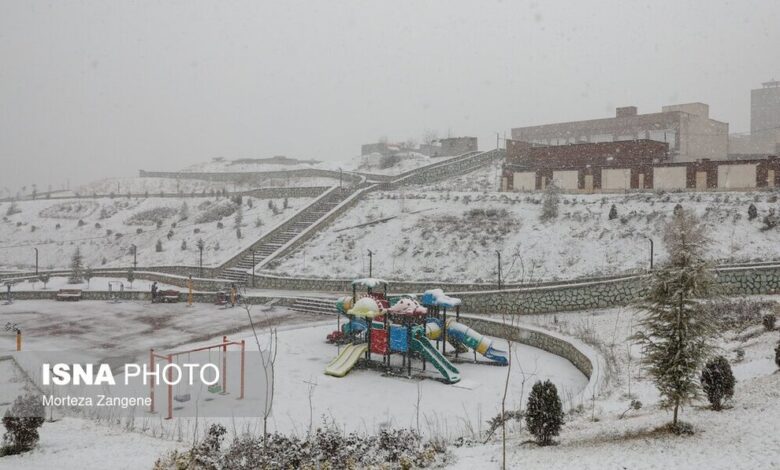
(453, 236)
(105, 228)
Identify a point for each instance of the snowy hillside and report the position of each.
(454, 236)
(152, 186)
(106, 228)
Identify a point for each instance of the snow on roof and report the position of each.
(437, 297)
(407, 306)
(369, 282)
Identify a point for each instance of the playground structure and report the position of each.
(382, 325)
(174, 358)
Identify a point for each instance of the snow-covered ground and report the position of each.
(105, 228)
(453, 236)
(152, 186)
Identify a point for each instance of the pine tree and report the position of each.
(676, 329)
(752, 211)
(76, 267)
(158, 246)
(87, 275)
(184, 211)
(184, 245)
(717, 381)
(544, 413)
(550, 202)
(130, 277)
(613, 212)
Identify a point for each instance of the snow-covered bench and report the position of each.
(69, 294)
(167, 296)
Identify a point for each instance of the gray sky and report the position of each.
(94, 89)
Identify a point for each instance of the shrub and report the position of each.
(21, 423)
(158, 246)
(613, 212)
(183, 245)
(550, 203)
(151, 216)
(220, 225)
(215, 212)
(12, 209)
(769, 321)
(752, 211)
(544, 413)
(770, 220)
(81, 223)
(285, 204)
(139, 231)
(777, 355)
(717, 381)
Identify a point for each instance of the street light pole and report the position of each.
(36, 261)
(253, 268)
(370, 263)
(651, 253)
(498, 253)
(135, 257)
(341, 173)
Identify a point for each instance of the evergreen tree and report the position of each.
(238, 219)
(717, 381)
(550, 202)
(777, 355)
(158, 246)
(544, 413)
(184, 211)
(130, 277)
(676, 329)
(752, 212)
(613, 212)
(87, 275)
(44, 278)
(76, 267)
(183, 245)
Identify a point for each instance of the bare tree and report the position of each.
(268, 364)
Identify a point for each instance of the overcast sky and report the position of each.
(93, 89)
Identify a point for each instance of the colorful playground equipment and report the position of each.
(381, 325)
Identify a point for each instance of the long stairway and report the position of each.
(314, 305)
(237, 271)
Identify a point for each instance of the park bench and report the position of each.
(167, 296)
(69, 294)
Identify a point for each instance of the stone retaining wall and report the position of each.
(539, 339)
(347, 177)
(129, 295)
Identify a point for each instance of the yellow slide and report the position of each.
(346, 360)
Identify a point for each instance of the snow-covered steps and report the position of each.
(314, 305)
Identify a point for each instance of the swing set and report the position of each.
(176, 357)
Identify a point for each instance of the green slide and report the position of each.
(421, 345)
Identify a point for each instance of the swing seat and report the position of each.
(182, 397)
(215, 388)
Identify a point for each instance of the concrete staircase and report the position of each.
(237, 269)
(314, 305)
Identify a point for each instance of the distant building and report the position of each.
(627, 165)
(453, 146)
(764, 138)
(687, 128)
(382, 148)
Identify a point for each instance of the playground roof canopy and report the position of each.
(369, 282)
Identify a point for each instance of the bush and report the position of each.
(769, 321)
(183, 245)
(215, 212)
(21, 423)
(613, 212)
(327, 447)
(158, 246)
(752, 212)
(777, 355)
(717, 381)
(544, 413)
(151, 216)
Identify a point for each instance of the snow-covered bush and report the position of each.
(158, 247)
(151, 216)
(12, 209)
(769, 321)
(752, 211)
(76, 267)
(717, 381)
(777, 355)
(69, 210)
(21, 423)
(184, 245)
(550, 203)
(216, 211)
(613, 212)
(327, 447)
(544, 413)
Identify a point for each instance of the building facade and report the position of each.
(686, 128)
(764, 137)
(627, 165)
(453, 146)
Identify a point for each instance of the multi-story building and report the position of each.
(764, 138)
(687, 128)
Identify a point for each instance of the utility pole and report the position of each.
(498, 253)
(370, 263)
(135, 257)
(651, 252)
(341, 172)
(253, 268)
(36, 261)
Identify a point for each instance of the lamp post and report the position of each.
(341, 173)
(36, 261)
(253, 268)
(135, 257)
(370, 263)
(498, 253)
